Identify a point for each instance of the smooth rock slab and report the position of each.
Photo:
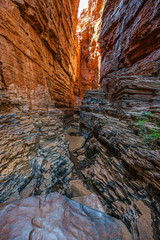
(91, 201)
(75, 142)
(57, 217)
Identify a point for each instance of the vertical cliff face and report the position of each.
(130, 45)
(38, 48)
(88, 48)
(37, 74)
(129, 38)
(122, 123)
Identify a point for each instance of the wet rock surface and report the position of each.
(57, 217)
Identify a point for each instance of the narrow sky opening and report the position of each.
(82, 5)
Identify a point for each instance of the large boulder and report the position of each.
(57, 217)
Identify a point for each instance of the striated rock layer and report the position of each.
(122, 169)
(38, 48)
(37, 74)
(130, 38)
(56, 217)
(130, 45)
(88, 49)
(121, 124)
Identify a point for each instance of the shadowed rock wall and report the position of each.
(129, 38)
(120, 167)
(37, 74)
(121, 124)
(130, 45)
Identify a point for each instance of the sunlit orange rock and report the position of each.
(88, 29)
(37, 74)
(38, 47)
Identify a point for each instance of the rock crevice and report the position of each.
(109, 157)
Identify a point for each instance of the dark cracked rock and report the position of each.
(34, 153)
(120, 169)
(57, 217)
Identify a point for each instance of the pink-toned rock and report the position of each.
(56, 217)
(91, 201)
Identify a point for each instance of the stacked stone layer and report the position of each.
(37, 74)
(119, 167)
(130, 45)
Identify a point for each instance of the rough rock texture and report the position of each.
(34, 152)
(136, 94)
(130, 45)
(37, 74)
(56, 217)
(88, 29)
(38, 47)
(129, 38)
(120, 168)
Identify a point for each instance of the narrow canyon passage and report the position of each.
(80, 119)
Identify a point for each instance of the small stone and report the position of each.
(81, 151)
(75, 142)
(119, 193)
(76, 189)
(81, 158)
(144, 222)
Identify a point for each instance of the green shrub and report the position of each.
(150, 136)
(148, 114)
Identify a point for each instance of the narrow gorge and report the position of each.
(79, 119)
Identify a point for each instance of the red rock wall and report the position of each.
(37, 47)
(130, 45)
(88, 48)
(37, 74)
(130, 37)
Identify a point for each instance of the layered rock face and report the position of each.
(37, 74)
(117, 160)
(130, 45)
(121, 124)
(120, 167)
(130, 37)
(88, 49)
(38, 48)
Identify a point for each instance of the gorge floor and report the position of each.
(100, 171)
